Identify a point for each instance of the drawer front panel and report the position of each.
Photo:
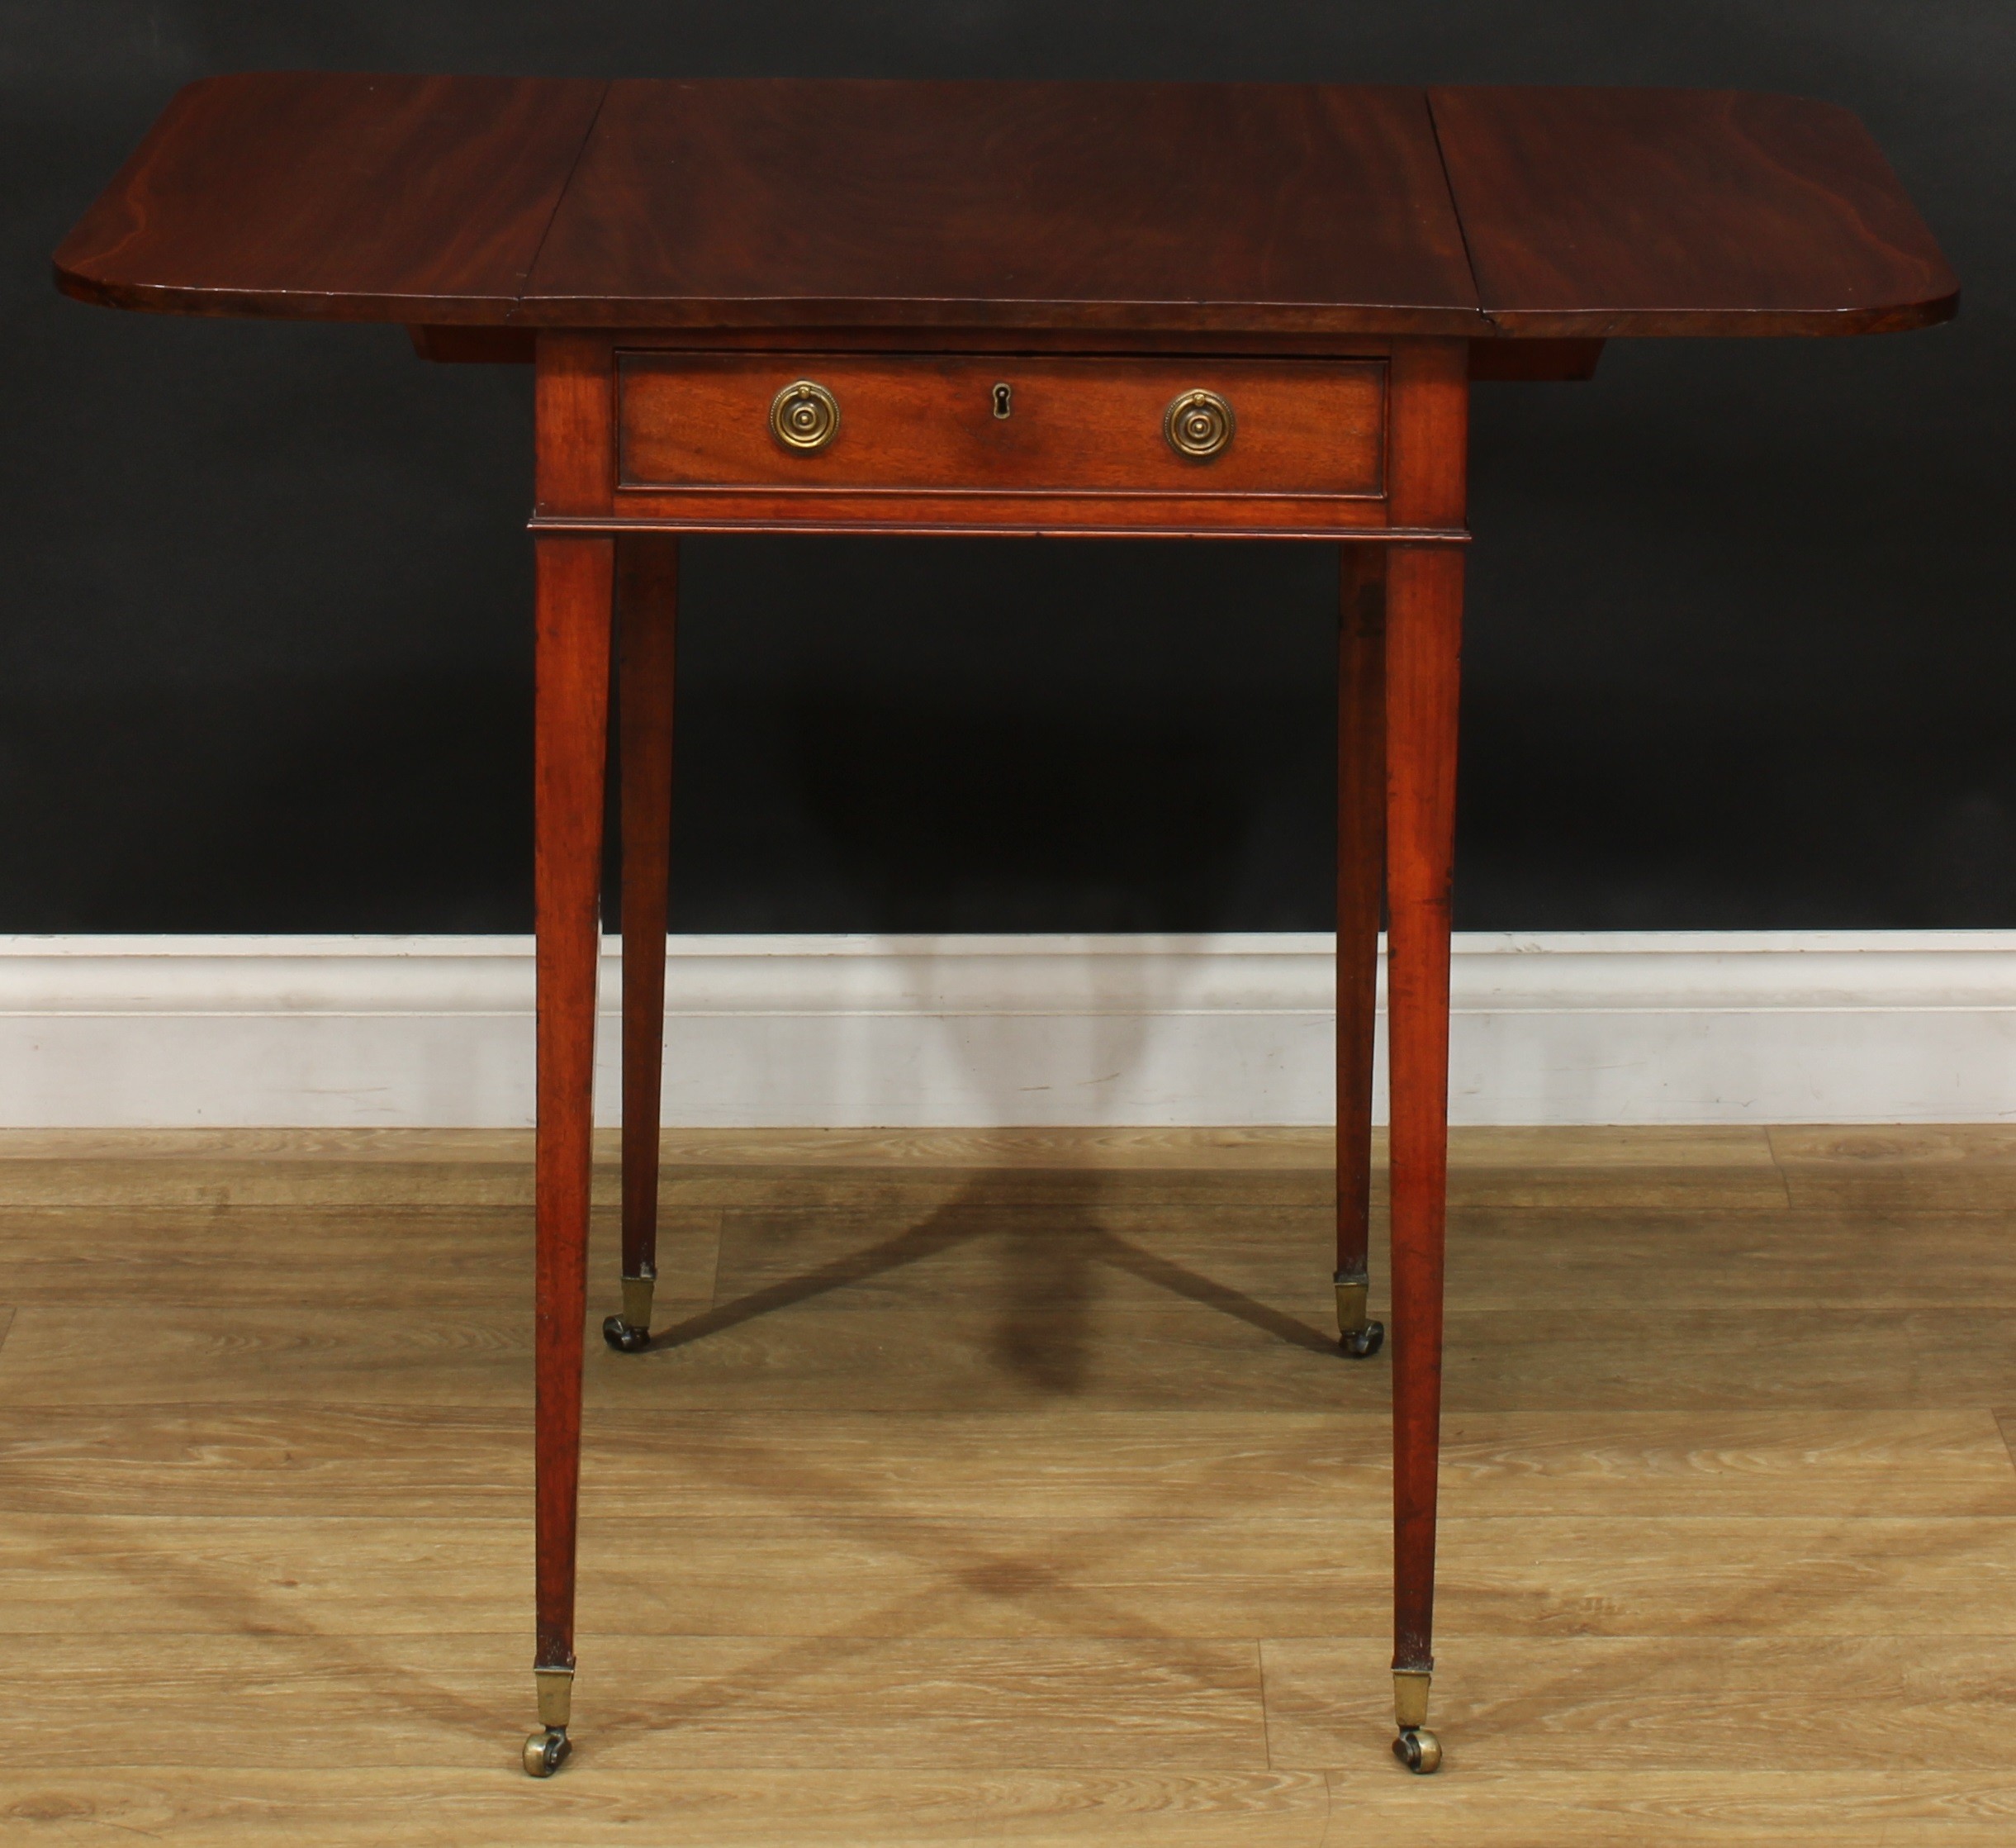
(907, 424)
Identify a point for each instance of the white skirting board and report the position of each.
(1546, 1027)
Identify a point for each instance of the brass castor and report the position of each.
(1419, 1749)
(1364, 1341)
(623, 1337)
(546, 1751)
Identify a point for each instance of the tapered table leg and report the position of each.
(573, 601)
(1361, 882)
(647, 608)
(1424, 634)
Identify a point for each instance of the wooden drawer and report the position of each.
(910, 423)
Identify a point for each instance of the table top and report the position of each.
(1255, 209)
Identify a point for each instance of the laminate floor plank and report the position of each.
(197, 1181)
(846, 1807)
(1148, 1575)
(1054, 1146)
(128, 1355)
(1636, 1704)
(1222, 1349)
(312, 1699)
(1499, 1258)
(198, 1187)
(1642, 1185)
(1759, 1805)
(990, 1485)
(196, 1168)
(1227, 1351)
(344, 1257)
(185, 1458)
(1705, 1354)
(964, 1356)
(1929, 1167)
(1065, 1462)
(335, 1257)
(1903, 1807)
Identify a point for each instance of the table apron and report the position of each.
(1101, 522)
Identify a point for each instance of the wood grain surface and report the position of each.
(909, 420)
(573, 608)
(656, 439)
(993, 1491)
(1174, 206)
(1597, 213)
(1423, 634)
(647, 631)
(1264, 212)
(335, 196)
(1361, 883)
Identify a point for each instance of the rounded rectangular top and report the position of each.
(1595, 212)
(1246, 209)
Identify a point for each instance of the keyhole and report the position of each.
(1003, 400)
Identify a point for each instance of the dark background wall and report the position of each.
(1740, 649)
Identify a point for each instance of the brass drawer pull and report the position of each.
(805, 415)
(1198, 425)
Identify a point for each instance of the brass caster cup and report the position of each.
(1358, 1335)
(623, 1337)
(546, 1751)
(1362, 1343)
(1419, 1749)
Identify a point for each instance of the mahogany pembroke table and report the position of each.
(1149, 310)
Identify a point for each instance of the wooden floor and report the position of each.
(1007, 1487)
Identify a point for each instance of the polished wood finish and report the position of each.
(1338, 262)
(1361, 884)
(280, 1546)
(1305, 428)
(1428, 444)
(574, 462)
(647, 609)
(1090, 208)
(1424, 628)
(1020, 515)
(574, 591)
(335, 196)
(919, 449)
(1608, 212)
(599, 382)
(1087, 206)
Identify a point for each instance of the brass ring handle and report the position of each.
(1198, 425)
(805, 415)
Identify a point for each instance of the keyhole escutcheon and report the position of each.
(1004, 401)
